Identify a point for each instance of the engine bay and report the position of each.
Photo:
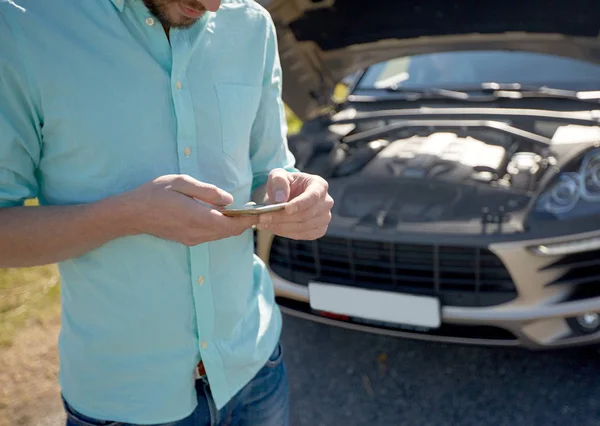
(447, 156)
(455, 172)
(479, 157)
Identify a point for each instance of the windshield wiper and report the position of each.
(428, 93)
(521, 91)
(487, 92)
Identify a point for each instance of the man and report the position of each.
(134, 122)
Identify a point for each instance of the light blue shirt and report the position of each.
(95, 101)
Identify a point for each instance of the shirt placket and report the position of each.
(187, 149)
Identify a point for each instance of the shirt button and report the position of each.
(179, 85)
(204, 345)
(200, 280)
(149, 22)
(187, 151)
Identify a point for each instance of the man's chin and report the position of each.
(183, 24)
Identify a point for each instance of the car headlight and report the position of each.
(590, 176)
(574, 194)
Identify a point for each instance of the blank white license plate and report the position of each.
(399, 308)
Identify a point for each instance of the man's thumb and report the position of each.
(278, 186)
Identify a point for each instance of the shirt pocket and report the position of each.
(238, 105)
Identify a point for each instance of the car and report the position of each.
(464, 161)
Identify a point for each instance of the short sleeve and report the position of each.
(19, 124)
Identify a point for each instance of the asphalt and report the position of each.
(347, 378)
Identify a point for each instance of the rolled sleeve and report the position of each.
(268, 145)
(19, 125)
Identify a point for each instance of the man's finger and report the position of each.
(315, 192)
(285, 217)
(322, 208)
(309, 198)
(204, 192)
(278, 186)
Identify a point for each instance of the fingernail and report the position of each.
(279, 196)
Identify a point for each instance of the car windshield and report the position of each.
(472, 68)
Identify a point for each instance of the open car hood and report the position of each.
(323, 41)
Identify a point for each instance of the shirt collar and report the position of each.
(119, 4)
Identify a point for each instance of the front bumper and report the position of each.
(540, 317)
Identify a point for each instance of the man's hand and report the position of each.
(168, 208)
(308, 213)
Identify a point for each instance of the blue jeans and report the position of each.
(262, 402)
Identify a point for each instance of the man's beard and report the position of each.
(160, 10)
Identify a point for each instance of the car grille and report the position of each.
(459, 276)
(580, 268)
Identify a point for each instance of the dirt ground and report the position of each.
(29, 391)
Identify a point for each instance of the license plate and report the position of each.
(399, 308)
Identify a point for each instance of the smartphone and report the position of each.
(252, 209)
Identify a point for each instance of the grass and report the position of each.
(340, 93)
(27, 294)
(293, 122)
